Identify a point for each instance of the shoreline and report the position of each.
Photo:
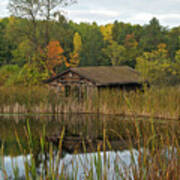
(89, 113)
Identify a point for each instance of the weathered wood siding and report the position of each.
(73, 80)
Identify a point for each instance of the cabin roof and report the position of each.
(105, 75)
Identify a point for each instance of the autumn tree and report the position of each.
(107, 32)
(74, 56)
(120, 31)
(38, 17)
(55, 56)
(77, 41)
(130, 41)
(93, 43)
(132, 50)
(32, 10)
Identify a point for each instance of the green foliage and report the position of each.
(120, 31)
(62, 31)
(176, 64)
(23, 53)
(155, 66)
(153, 35)
(116, 53)
(5, 45)
(23, 42)
(31, 74)
(173, 41)
(8, 74)
(93, 42)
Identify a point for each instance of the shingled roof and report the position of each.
(105, 75)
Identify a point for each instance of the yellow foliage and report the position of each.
(77, 42)
(74, 60)
(107, 32)
(154, 65)
(74, 56)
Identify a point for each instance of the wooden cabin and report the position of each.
(85, 80)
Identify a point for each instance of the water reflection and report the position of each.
(84, 134)
(79, 127)
(117, 165)
(83, 163)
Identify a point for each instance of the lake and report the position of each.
(86, 137)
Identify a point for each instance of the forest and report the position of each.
(109, 134)
(33, 49)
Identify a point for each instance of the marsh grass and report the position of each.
(154, 154)
(154, 150)
(160, 103)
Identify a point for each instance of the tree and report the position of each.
(130, 41)
(116, 53)
(6, 46)
(107, 32)
(37, 18)
(62, 31)
(132, 50)
(174, 41)
(32, 73)
(77, 41)
(176, 65)
(23, 53)
(32, 10)
(155, 66)
(55, 56)
(120, 31)
(73, 61)
(74, 56)
(8, 74)
(153, 35)
(92, 39)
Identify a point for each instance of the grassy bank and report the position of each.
(162, 102)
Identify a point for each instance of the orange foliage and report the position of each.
(130, 41)
(74, 60)
(55, 56)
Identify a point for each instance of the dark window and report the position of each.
(67, 91)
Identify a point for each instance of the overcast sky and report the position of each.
(106, 11)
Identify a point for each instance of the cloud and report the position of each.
(107, 11)
(3, 6)
(133, 11)
(108, 16)
(165, 19)
(99, 12)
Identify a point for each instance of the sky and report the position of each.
(129, 11)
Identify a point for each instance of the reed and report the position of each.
(159, 103)
(154, 154)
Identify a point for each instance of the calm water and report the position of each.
(78, 128)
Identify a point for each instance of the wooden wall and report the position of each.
(75, 83)
(71, 83)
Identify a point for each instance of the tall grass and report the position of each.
(154, 154)
(161, 103)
